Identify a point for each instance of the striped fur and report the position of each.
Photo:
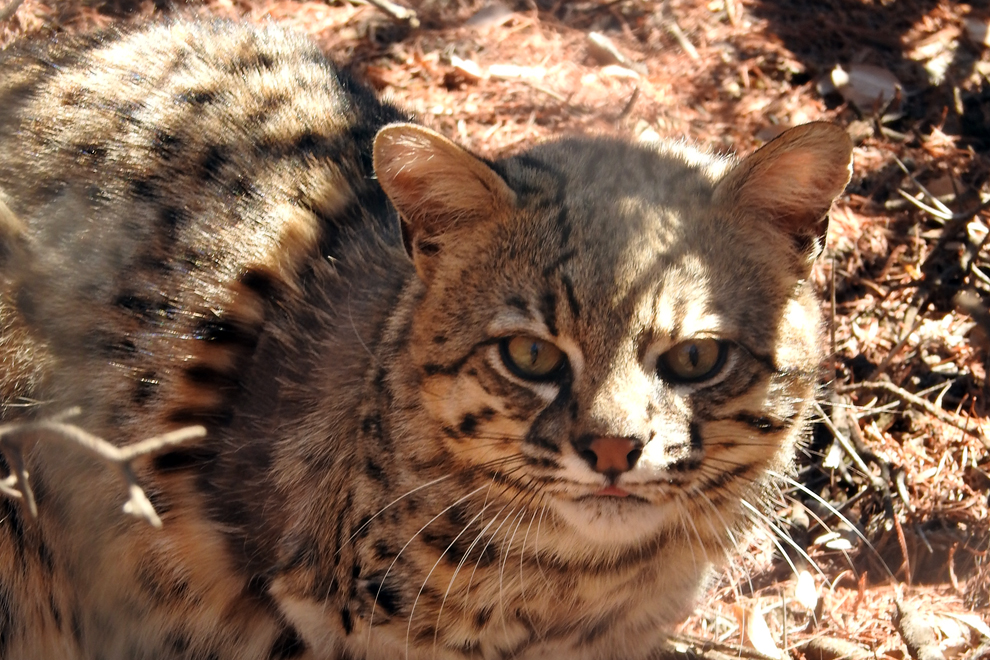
(203, 228)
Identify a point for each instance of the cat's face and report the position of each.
(614, 331)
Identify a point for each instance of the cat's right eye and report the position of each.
(693, 361)
(531, 358)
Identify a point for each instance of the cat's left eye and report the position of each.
(693, 361)
(531, 358)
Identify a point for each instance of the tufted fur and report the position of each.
(201, 227)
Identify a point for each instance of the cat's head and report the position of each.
(619, 332)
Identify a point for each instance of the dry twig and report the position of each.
(916, 401)
(398, 12)
(17, 437)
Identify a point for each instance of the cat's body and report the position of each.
(520, 426)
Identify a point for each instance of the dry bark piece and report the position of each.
(833, 648)
(917, 632)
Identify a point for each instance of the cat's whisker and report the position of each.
(390, 504)
(725, 525)
(371, 617)
(412, 611)
(818, 498)
(783, 536)
(464, 557)
(536, 545)
(522, 560)
(701, 542)
(506, 553)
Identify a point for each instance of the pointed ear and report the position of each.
(437, 187)
(791, 182)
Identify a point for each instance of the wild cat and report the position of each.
(455, 408)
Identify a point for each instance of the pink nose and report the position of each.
(611, 455)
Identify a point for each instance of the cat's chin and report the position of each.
(610, 521)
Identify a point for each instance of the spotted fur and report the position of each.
(209, 223)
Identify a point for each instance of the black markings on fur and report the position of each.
(482, 617)
(384, 551)
(362, 528)
(261, 282)
(559, 262)
(226, 333)
(207, 416)
(439, 339)
(202, 374)
(198, 97)
(468, 425)
(56, 612)
(144, 388)
(133, 303)
(44, 554)
(372, 426)
(542, 442)
(10, 516)
(433, 369)
(548, 309)
(178, 641)
(287, 645)
(386, 593)
(375, 472)
(144, 189)
(165, 145)
(346, 621)
(257, 61)
(172, 219)
(727, 476)
(572, 300)
(158, 586)
(158, 500)
(183, 459)
(6, 619)
(92, 153)
(213, 160)
(517, 302)
(697, 441)
(307, 143)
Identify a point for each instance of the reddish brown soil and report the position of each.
(908, 291)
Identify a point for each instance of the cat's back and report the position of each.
(167, 184)
(171, 198)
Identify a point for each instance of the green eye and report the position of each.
(531, 358)
(693, 361)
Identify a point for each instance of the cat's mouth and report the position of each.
(612, 491)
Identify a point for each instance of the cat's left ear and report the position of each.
(791, 181)
(437, 187)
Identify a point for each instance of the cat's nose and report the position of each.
(612, 455)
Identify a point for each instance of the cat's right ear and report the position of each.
(438, 189)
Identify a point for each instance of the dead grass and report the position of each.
(908, 291)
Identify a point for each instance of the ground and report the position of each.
(887, 518)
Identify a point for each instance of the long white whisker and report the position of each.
(371, 618)
(815, 496)
(392, 503)
(501, 572)
(784, 536)
(412, 610)
(457, 570)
